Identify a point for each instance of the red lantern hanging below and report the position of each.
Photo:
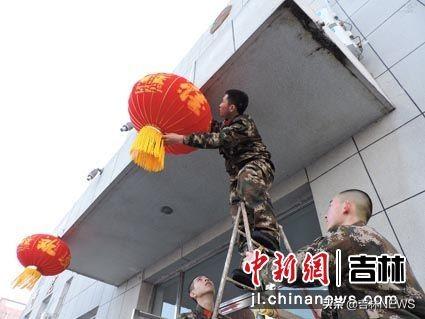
(41, 254)
(165, 103)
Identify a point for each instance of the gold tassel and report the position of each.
(148, 150)
(27, 279)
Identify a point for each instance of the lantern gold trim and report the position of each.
(27, 279)
(148, 150)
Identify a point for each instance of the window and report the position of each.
(90, 314)
(62, 297)
(165, 298)
(301, 221)
(43, 308)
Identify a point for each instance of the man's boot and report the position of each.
(240, 276)
(266, 240)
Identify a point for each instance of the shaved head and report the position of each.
(361, 200)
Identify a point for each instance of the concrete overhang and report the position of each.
(308, 93)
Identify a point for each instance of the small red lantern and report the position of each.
(165, 103)
(41, 254)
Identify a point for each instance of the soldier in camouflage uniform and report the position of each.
(248, 164)
(346, 220)
(201, 290)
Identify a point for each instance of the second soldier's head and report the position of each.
(201, 286)
(347, 208)
(234, 103)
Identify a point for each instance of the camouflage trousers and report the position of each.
(251, 186)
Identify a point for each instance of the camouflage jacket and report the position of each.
(353, 240)
(238, 142)
(199, 313)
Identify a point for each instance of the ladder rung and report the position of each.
(240, 284)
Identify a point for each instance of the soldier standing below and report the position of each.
(249, 165)
(201, 290)
(346, 220)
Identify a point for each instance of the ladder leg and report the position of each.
(289, 249)
(226, 265)
(246, 226)
(285, 240)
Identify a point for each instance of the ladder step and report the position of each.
(240, 284)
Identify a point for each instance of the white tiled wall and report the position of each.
(389, 155)
(410, 72)
(408, 220)
(217, 53)
(405, 111)
(396, 162)
(381, 221)
(400, 34)
(348, 174)
(252, 16)
(374, 13)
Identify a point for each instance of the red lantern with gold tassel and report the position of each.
(165, 103)
(41, 254)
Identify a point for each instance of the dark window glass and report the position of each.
(165, 298)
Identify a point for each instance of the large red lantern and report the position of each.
(165, 103)
(41, 254)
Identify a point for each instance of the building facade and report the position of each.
(10, 309)
(383, 155)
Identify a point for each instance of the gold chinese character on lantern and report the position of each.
(25, 244)
(195, 100)
(151, 83)
(48, 246)
(64, 261)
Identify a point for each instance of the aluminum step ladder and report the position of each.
(250, 243)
